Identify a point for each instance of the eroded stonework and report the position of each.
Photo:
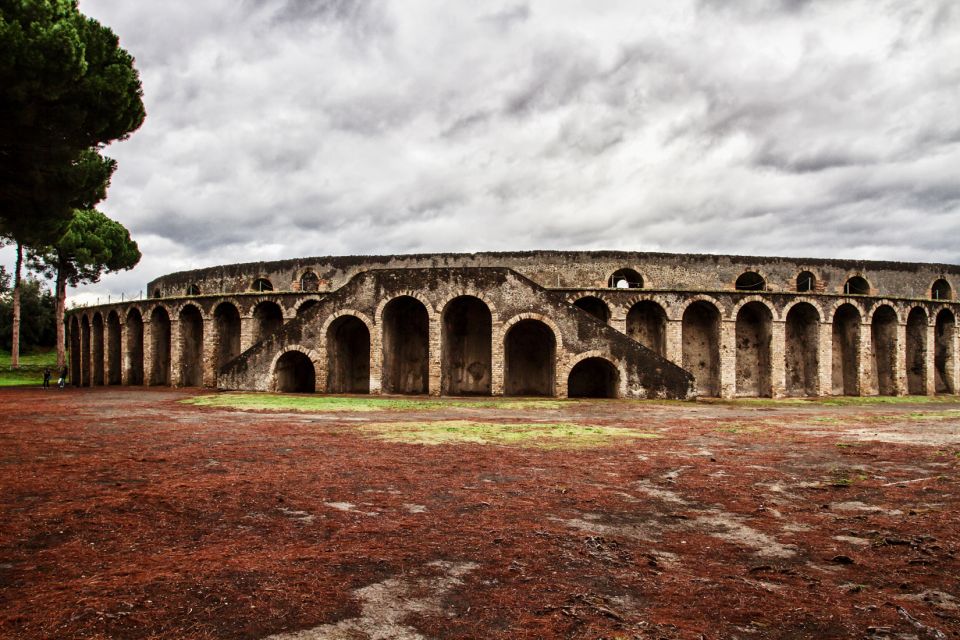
(607, 324)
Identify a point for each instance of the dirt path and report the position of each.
(127, 514)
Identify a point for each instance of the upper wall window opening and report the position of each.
(193, 290)
(625, 279)
(309, 281)
(751, 281)
(262, 284)
(941, 290)
(857, 286)
(806, 281)
(157, 293)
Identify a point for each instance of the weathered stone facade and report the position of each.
(540, 323)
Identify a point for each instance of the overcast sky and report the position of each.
(285, 128)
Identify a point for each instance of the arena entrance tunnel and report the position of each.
(530, 355)
(406, 348)
(593, 378)
(348, 356)
(466, 353)
(295, 373)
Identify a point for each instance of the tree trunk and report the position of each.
(15, 338)
(61, 309)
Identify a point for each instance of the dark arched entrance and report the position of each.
(348, 356)
(529, 359)
(114, 349)
(467, 336)
(754, 330)
(97, 335)
(593, 378)
(917, 352)
(647, 324)
(943, 351)
(802, 350)
(191, 347)
(295, 373)
(134, 355)
(595, 307)
(267, 319)
(406, 350)
(226, 319)
(883, 338)
(160, 347)
(701, 346)
(846, 351)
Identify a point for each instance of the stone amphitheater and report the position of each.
(544, 323)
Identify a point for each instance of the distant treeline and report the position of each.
(38, 327)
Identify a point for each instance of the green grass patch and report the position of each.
(559, 435)
(31, 368)
(833, 401)
(739, 428)
(321, 403)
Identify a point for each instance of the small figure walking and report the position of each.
(63, 377)
(46, 378)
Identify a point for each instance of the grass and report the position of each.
(320, 403)
(560, 435)
(31, 368)
(834, 401)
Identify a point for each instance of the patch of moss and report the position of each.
(322, 403)
(539, 434)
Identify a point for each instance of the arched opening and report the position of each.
(75, 366)
(647, 324)
(806, 282)
(348, 356)
(595, 307)
(97, 334)
(295, 373)
(193, 290)
(917, 352)
(883, 342)
(134, 353)
(593, 378)
(625, 279)
(802, 350)
(751, 281)
(261, 284)
(406, 350)
(309, 281)
(846, 351)
(753, 334)
(941, 290)
(85, 359)
(701, 346)
(305, 306)
(160, 347)
(529, 359)
(267, 319)
(226, 319)
(466, 353)
(114, 349)
(157, 293)
(191, 347)
(857, 286)
(944, 355)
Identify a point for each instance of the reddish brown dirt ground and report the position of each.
(126, 514)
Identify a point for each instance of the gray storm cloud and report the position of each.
(295, 127)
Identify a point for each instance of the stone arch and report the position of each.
(97, 330)
(466, 347)
(530, 354)
(594, 377)
(749, 300)
(679, 308)
(944, 354)
(261, 284)
(309, 281)
(406, 346)
(595, 306)
(267, 319)
(888, 305)
(303, 305)
(941, 290)
(647, 324)
(700, 331)
(157, 293)
(348, 348)
(85, 351)
(799, 300)
(806, 282)
(114, 375)
(884, 349)
(193, 289)
(754, 331)
(190, 321)
(846, 350)
(294, 370)
(802, 349)
(431, 311)
(856, 285)
(160, 346)
(134, 350)
(631, 278)
(750, 281)
(227, 325)
(75, 352)
(916, 351)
